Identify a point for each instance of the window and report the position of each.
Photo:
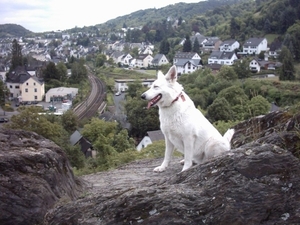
(10, 86)
(27, 84)
(35, 90)
(34, 83)
(17, 87)
(26, 89)
(35, 97)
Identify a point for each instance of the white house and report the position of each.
(229, 45)
(151, 136)
(24, 86)
(125, 59)
(143, 60)
(223, 58)
(122, 84)
(187, 62)
(256, 65)
(60, 92)
(159, 59)
(255, 46)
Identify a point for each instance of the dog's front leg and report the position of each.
(188, 155)
(168, 154)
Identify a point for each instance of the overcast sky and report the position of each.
(52, 15)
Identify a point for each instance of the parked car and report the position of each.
(3, 120)
(118, 93)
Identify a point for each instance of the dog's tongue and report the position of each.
(149, 104)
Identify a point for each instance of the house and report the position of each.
(215, 68)
(24, 86)
(151, 137)
(85, 146)
(117, 56)
(211, 44)
(200, 38)
(223, 58)
(143, 60)
(125, 59)
(60, 93)
(256, 65)
(122, 84)
(146, 51)
(255, 46)
(187, 62)
(159, 59)
(229, 45)
(275, 48)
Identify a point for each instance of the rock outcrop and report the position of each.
(34, 176)
(258, 182)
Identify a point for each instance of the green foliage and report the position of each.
(69, 121)
(51, 72)
(258, 105)
(187, 46)
(287, 70)
(16, 55)
(79, 72)
(227, 73)
(220, 109)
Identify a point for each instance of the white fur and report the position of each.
(183, 125)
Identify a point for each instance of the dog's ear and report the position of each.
(160, 75)
(171, 76)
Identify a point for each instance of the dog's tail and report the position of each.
(228, 135)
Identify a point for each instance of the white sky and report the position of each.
(52, 15)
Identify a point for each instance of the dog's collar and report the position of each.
(179, 96)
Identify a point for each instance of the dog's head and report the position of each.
(164, 90)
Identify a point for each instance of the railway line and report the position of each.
(94, 102)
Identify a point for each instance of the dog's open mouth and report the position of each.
(154, 100)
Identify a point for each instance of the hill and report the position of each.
(13, 30)
(185, 10)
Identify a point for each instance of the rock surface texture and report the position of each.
(257, 182)
(34, 176)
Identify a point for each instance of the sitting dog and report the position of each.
(183, 125)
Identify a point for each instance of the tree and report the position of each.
(187, 46)
(287, 70)
(17, 58)
(69, 121)
(257, 106)
(29, 119)
(51, 72)
(227, 73)
(140, 118)
(220, 109)
(241, 68)
(100, 60)
(79, 72)
(134, 89)
(196, 46)
(62, 71)
(164, 47)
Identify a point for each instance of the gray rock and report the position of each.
(255, 183)
(34, 176)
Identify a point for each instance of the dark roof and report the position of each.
(214, 66)
(253, 42)
(157, 57)
(75, 137)
(221, 55)
(19, 75)
(142, 56)
(184, 55)
(228, 42)
(156, 135)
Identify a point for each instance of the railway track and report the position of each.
(95, 101)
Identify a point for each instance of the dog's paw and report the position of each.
(159, 169)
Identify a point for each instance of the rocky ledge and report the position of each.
(255, 183)
(34, 176)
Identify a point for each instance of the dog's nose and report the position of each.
(143, 96)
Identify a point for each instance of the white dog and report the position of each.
(183, 125)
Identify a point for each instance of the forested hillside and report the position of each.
(13, 30)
